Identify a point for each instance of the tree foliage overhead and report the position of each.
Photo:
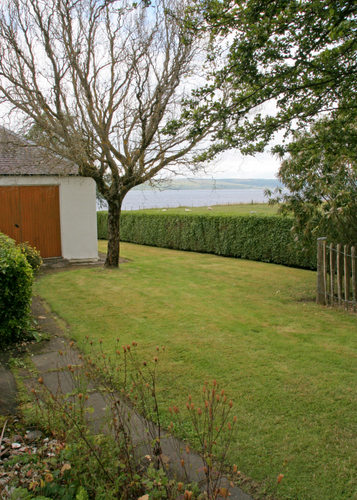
(302, 54)
(320, 170)
(98, 82)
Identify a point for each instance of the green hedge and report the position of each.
(266, 238)
(16, 279)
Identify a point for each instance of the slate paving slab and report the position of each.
(8, 404)
(56, 344)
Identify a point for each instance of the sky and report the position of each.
(233, 165)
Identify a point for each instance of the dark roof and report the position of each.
(19, 156)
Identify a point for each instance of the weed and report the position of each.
(125, 459)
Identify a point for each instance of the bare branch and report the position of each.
(99, 81)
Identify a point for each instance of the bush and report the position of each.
(265, 238)
(32, 255)
(7, 242)
(16, 279)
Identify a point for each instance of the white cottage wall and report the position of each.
(77, 212)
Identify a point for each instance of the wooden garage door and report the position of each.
(31, 213)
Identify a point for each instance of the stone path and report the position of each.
(49, 365)
(7, 387)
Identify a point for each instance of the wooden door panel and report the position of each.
(40, 219)
(31, 213)
(10, 217)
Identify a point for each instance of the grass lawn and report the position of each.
(239, 209)
(290, 366)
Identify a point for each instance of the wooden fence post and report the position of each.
(354, 280)
(320, 288)
(347, 263)
(332, 275)
(339, 274)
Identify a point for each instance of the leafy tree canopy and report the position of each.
(320, 170)
(301, 54)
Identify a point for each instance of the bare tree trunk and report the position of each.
(114, 210)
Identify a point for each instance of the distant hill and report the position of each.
(215, 184)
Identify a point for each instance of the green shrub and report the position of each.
(24, 494)
(16, 279)
(266, 238)
(6, 241)
(32, 255)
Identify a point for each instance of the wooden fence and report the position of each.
(336, 275)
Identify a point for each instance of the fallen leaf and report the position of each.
(65, 467)
(165, 459)
(33, 485)
(144, 497)
(41, 317)
(223, 492)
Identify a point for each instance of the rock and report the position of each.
(32, 436)
(15, 453)
(16, 446)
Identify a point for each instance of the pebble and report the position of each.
(16, 446)
(32, 436)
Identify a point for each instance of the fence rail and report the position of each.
(336, 275)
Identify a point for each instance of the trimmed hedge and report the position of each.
(16, 279)
(102, 224)
(265, 238)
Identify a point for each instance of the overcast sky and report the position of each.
(234, 165)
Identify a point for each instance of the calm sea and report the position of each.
(136, 200)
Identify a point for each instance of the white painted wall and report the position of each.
(77, 212)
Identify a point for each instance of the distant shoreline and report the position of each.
(170, 198)
(210, 184)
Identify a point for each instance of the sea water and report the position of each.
(137, 200)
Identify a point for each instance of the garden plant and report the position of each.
(123, 458)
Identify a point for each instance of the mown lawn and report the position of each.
(290, 366)
(238, 209)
